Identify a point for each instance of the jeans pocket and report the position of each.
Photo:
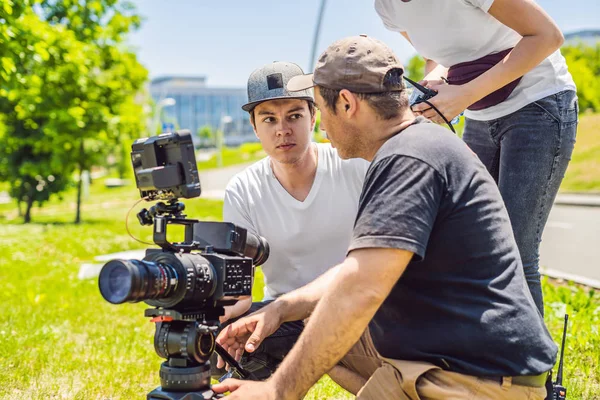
(568, 106)
(548, 106)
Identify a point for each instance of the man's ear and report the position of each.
(348, 102)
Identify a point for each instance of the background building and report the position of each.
(197, 105)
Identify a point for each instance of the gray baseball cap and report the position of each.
(270, 83)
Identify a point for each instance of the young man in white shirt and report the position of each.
(302, 199)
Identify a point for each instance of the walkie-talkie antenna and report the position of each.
(559, 374)
(560, 392)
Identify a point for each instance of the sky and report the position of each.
(225, 40)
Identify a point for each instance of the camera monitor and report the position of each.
(165, 166)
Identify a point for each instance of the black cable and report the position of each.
(441, 115)
(244, 374)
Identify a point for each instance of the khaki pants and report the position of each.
(412, 380)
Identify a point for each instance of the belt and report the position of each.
(525, 380)
(531, 380)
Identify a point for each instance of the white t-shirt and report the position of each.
(455, 31)
(305, 238)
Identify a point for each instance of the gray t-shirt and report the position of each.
(462, 303)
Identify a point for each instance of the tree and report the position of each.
(207, 136)
(105, 24)
(30, 99)
(319, 136)
(415, 68)
(584, 65)
(70, 96)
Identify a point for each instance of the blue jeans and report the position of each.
(527, 153)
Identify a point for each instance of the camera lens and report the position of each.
(132, 281)
(161, 279)
(115, 284)
(256, 248)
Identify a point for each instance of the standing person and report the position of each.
(433, 268)
(302, 198)
(521, 113)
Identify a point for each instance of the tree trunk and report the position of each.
(123, 162)
(29, 205)
(79, 184)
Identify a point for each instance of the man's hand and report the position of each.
(247, 390)
(248, 333)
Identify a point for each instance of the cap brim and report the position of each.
(249, 106)
(300, 82)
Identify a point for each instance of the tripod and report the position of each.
(187, 344)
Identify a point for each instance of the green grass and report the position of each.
(59, 339)
(583, 174)
(247, 152)
(582, 349)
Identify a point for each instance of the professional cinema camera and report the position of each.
(187, 283)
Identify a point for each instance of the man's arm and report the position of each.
(364, 281)
(390, 228)
(247, 333)
(300, 303)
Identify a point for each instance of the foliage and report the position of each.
(319, 136)
(208, 137)
(35, 107)
(584, 65)
(415, 68)
(66, 104)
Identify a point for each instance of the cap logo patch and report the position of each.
(275, 81)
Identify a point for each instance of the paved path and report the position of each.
(571, 244)
(214, 181)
